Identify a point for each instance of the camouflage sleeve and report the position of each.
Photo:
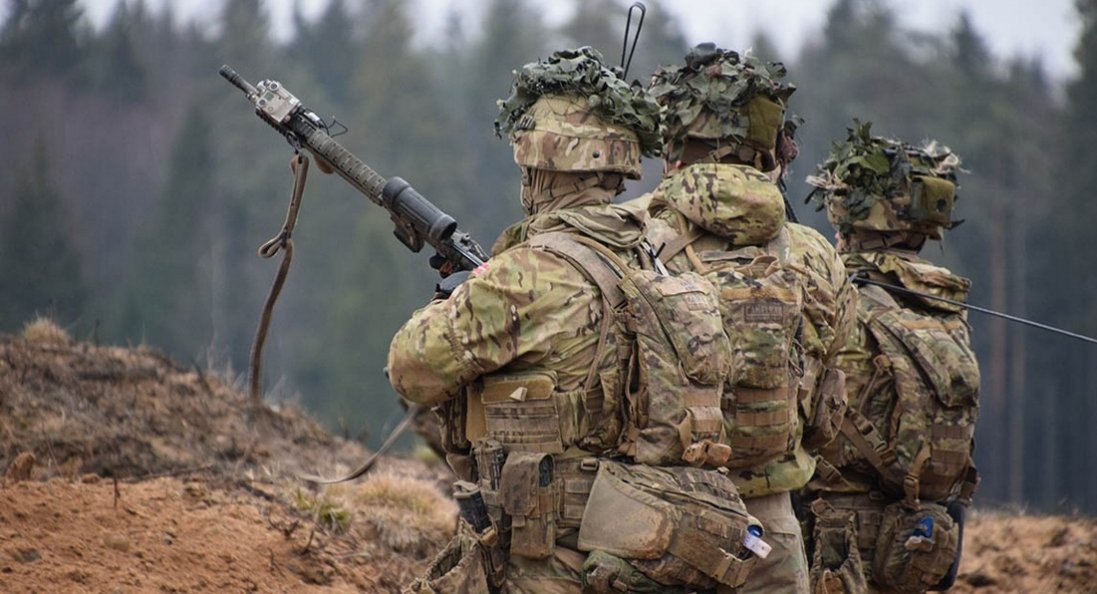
(519, 308)
(831, 306)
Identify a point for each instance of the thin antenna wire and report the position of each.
(886, 286)
(636, 38)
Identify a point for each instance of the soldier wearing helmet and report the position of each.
(534, 372)
(888, 494)
(785, 298)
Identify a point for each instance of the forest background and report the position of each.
(136, 185)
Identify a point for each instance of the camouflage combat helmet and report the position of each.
(724, 98)
(572, 112)
(878, 184)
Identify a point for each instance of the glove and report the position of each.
(449, 284)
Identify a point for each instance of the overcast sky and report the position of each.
(1048, 29)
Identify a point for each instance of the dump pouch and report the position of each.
(679, 526)
(836, 564)
(460, 568)
(526, 491)
(915, 548)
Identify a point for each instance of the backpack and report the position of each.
(762, 305)
(921, 444)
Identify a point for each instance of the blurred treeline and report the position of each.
(135, 186)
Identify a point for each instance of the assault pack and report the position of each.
(911, 425)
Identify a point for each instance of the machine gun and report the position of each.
(417, 220)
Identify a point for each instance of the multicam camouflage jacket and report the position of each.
(788, 308)
(526, 309)
(913, 384)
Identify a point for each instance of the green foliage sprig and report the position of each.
(865, 168)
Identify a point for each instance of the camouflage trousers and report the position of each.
(785, 570)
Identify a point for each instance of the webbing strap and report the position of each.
(870, 444)
(584, 257)
(281, 242)
(591, 263)
(687, 234)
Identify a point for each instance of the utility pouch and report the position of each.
(459, 569)
(828, 407)
(679, 526)
(931, 200)
(836, 564)
(915, 547)
(527, 494)
(604, 573)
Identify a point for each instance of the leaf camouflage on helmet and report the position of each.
(877, 183)
(583, 73)
(720, 94)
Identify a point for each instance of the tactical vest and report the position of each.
(762, 303)
(673, 356)
(921, 444)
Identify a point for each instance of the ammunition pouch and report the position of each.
(915, 548)
(678, 526)
(527, 495)
(823, 402)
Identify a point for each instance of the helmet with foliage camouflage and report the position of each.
(724, 98)
(879, 184)
(572, 112)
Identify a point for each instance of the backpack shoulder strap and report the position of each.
(590, 258)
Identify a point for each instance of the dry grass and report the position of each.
(405, 514)
(45, 331)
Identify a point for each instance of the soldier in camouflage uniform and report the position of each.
(888, 493)
(786, 300)
(547, 410)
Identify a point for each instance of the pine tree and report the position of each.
(1066, 275)
(43, 272)
(40, 38)
(167, 297)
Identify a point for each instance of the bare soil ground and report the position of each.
(126, 472)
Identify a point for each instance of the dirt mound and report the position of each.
(1008, 552)
(126, 472)
(132, 413)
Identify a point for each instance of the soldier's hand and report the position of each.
(442, 265)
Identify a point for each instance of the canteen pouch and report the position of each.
(915, 547)
(528, 498)
(679, 526)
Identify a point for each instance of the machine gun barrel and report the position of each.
(417, 219)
